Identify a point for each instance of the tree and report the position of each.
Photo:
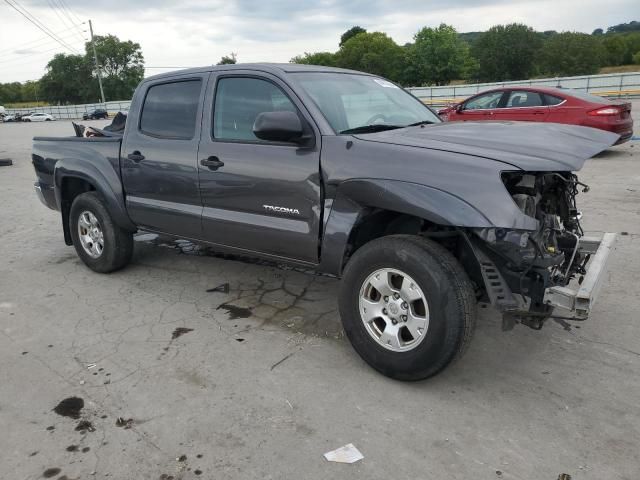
(571, 53)
(352, 32)
(615, 48)
(327, 59)
(632, 41)
(633, 26)
(437, 56)
(122, 65)
(507, 52)
(12, 93)
(228, 59)
(67, 80)
(597, 31)
(373, 53)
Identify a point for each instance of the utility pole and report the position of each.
(95, 57)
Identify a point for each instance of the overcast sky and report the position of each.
(194, 32)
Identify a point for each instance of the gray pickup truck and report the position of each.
(349, 174)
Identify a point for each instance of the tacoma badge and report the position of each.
(291, 211)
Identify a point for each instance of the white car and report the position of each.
(9, 118)
(38, 117)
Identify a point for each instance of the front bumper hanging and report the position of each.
(579, 301)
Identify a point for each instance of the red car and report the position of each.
(545, 104)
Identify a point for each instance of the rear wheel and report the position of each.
(99, 242)
(407, 306)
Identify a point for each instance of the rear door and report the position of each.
(258, 196)
(524, 106)
(480, 107)
(159, 155)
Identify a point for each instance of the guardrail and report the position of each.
(614, 85)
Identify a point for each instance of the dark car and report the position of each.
(96, 114)
(545, 104)
(345, 173)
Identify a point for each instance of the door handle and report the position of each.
(135, 156)
(213, 163)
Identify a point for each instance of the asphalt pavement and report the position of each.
(189, 365)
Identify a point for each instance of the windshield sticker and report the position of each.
(384, 83)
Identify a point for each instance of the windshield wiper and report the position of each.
(378, 127)
(423, 122)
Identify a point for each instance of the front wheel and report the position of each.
(407, 306)
(100, 243)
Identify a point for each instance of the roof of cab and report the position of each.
(275, 68)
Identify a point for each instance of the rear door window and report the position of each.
(553, 100)
(170, 109)
(523, 99)
(482, 102)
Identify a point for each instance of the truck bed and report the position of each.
(92, 154)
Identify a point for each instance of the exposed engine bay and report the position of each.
(531, 261)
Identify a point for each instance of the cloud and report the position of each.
(199, 32)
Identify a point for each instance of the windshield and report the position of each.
(351, 102)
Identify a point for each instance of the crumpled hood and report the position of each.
(527, 145)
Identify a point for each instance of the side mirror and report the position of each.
(282, 126)
(460, 107)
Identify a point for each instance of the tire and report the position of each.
(444, 286)
(117, 244)
(47, 119)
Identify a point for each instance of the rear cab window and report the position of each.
(170, 109)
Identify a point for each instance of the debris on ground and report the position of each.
(126, 423)
(564, 476)
(224, 288)
(85, 426)
(282, 360)
(178, 332)
(235, 311)
(182, 458)
(346, 454)
(70, 407)
(6, 162)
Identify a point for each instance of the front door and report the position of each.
(258, 196)
(159, 156)
(480, 107)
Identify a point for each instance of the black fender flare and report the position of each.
(106, 183)
(355, 197)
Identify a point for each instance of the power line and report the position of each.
(61, 16)
(11, 52)
(29, 55)
(37, 41)
(68, 8)
(25, 13)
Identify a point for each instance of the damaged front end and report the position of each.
(527, 274)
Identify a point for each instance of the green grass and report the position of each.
(26, 104)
